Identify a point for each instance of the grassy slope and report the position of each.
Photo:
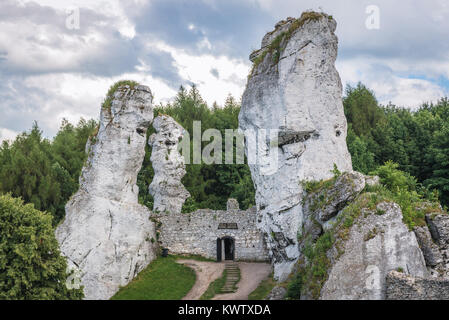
(163, 279)
(263, 289)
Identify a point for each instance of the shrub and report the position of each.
(395, 179)
(31, 266)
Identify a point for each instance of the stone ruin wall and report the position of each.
(196, 233)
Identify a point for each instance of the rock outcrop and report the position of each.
(169, 166)
(434, 242)
(295, 91)
(106, 233)
(378, 243)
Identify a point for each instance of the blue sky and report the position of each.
(49, 71)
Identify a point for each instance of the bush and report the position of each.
(395, 179)
(402, 188)
(31, 266)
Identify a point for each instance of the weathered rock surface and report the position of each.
(430, 250)
(372, 181)
(439, 227)
(169, 166)
(278, 293)
(376, 245)
(321, 206)
(106, 233)
(436, 249)
(296, 90)
(400, 286)
(326, 203)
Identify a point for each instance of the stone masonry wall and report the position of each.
(196, 233)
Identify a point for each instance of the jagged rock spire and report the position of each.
(169, 166)
(106, 234)
(294, 88)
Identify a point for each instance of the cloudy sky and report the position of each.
(50, 69)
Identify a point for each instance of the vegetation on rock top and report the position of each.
(396, 186)
(275, 48)
(107, 103)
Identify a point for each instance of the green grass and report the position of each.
(195, 257)
(163, 279)
(215, 287)
(264, 288)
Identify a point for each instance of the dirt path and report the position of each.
(206, 272)
(251, 274)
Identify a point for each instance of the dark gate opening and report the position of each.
(218, 249)
(229, 248)
(225, 249)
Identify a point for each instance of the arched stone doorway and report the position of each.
(225, 249)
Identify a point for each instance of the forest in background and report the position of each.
(45, 172)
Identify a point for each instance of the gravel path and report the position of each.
(251, 274)
(206, 272)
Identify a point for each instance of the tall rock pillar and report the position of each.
(106, 234)
(294, 89)
(169, 166)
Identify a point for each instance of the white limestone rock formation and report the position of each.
(295, 88)
(169, 166)
(376, 245)
(106, 234)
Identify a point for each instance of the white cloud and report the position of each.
(6, 134)
(233, 73)
(52, 73)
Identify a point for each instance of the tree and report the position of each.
(31, 266)
(361, 109)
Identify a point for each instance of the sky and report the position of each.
(59, 57)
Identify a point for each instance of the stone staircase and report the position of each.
(232, 277)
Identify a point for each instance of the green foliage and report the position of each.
(163, 279)
(42, 172)
(31, 266)
(361, 109)
(418, 141)
(110, 95)
(210, 186)
(393, 178)
(335, 171)
(362, 158)
(313, 274)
